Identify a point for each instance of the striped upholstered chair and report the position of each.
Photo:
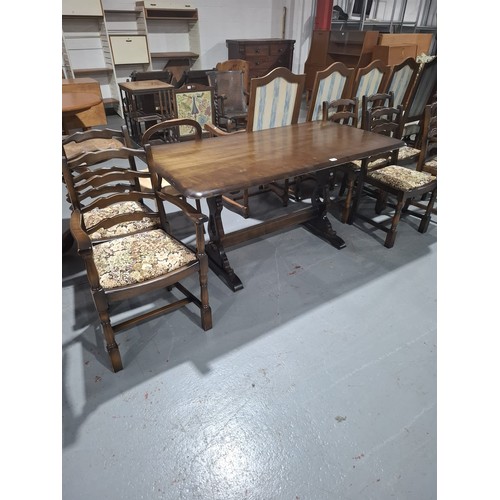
(331, 84)
(371, 79)
(275, 101)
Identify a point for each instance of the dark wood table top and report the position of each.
(211, 167)
(74, 102)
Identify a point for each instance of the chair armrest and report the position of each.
(191, 213)
(217, 132)
(76, 227)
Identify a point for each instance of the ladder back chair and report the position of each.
(386, 120)
(168, 132)
(399, 182)
(130, 253)
(78, 143)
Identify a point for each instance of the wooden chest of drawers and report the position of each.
(262, 54)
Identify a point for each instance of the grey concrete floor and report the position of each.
(317, 381)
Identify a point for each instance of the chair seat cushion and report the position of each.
(96, 215)
(74, 149)
(401, 178)
(431, 167)
(371, 165)
(407, 152)
(139, 257)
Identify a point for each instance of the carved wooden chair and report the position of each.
(330, 84)
(275, 101)
(130, 252)
(406, 154)
(388, 121)
(380, 120)
(231, 102)
(237, 65)
(427, 160)
(399, 182)
(169, 132)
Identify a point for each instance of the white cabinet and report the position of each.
(129, 49)
(79, 8)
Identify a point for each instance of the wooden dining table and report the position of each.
(212, 167)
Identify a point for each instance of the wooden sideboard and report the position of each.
(262, 54)
(353, 48)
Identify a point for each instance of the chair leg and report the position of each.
(381, 201)
(107, 330)
(357, 189)
(343, 184)
(424, 223)
(391, 234)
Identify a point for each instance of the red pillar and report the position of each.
(323, 18)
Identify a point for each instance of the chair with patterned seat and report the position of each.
(381, 117)
(395, 181)
(128, 250)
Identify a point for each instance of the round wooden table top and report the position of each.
(74, 102)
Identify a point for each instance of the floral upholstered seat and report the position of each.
(139, 257)
(401, 178)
